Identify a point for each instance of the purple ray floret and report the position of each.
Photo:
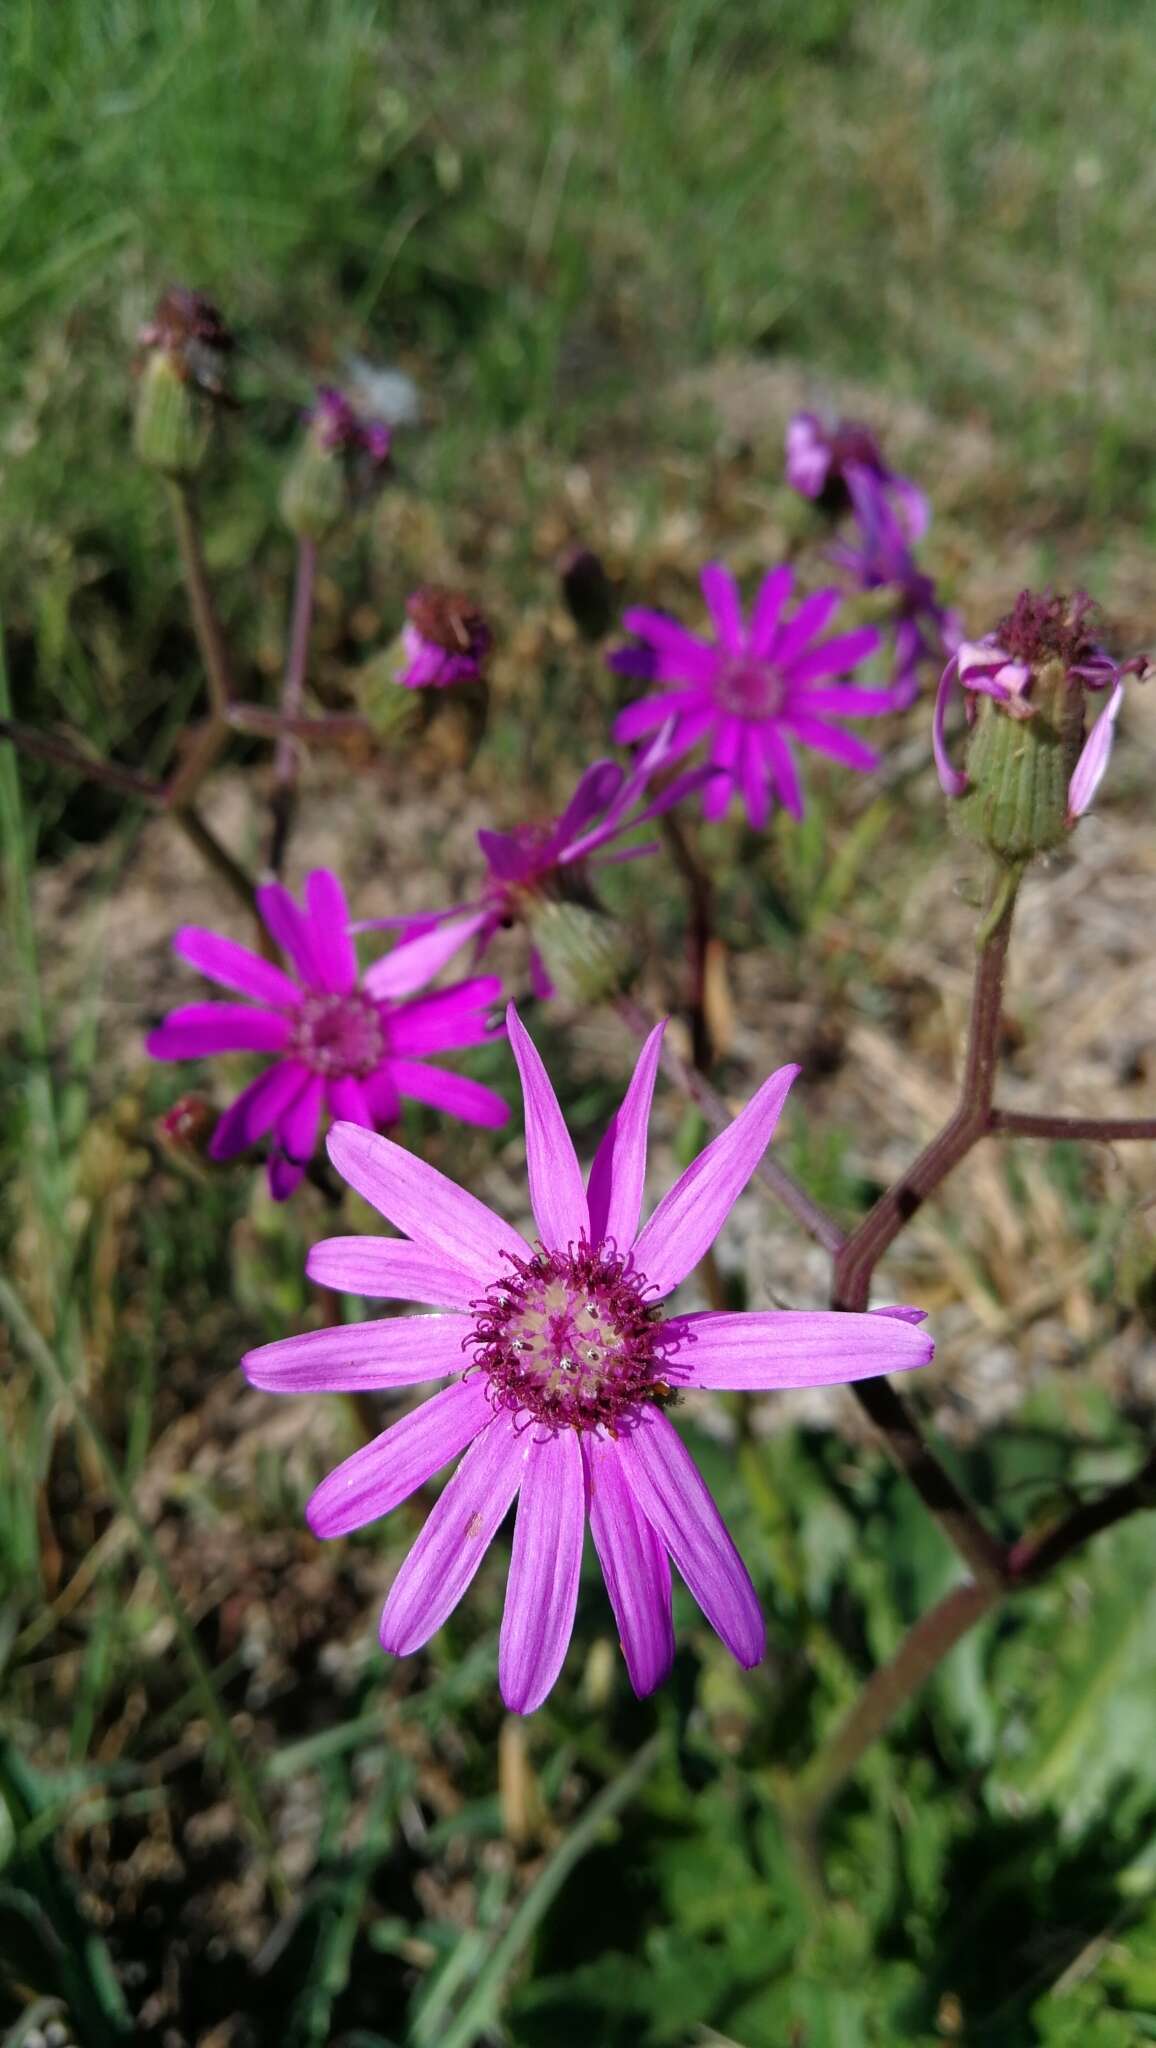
(758, 691)
(562, 1366)
(342, 1044)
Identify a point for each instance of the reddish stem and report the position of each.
(1106, 1130)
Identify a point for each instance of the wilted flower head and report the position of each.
(336, 466)
(881, 560)
(185, 350)
(764, 688)
(446, 639)
(1031, 771)
(339, 1043)
(563, 1364)
(840, 464)
(540, 874)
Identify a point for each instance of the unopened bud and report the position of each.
(336, 465)
(1019, 768)
(183, 366)
(588, 592)
(586, 953)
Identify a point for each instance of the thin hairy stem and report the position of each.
(48, 746)
(1104, 1130)
(206, 624)
(335, 728)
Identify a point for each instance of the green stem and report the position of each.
(57, 1383)
(206, 624)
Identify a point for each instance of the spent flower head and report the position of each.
(183, 364)
(336, 466)
(446, 639)
(761, 689)
(840, 464)
(562, 1362)
(339, 1043)
(1032, 768)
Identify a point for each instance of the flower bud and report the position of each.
(182, 372)
(186, 1128)
(588, 592)
(1031, 769)
(336, 465)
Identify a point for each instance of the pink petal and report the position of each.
(672, 1494)
(952, 781)
(545, 1567)
(446, 1022)
(598, 787)
(347, 1103)
(774, 591)
(382, 1474)
(651, 712)
(753, 781)
(1089, 769)
(634, 1566)
(813, 614)
(392, 1269)
(283, 1175)
(676, 645)
(292, 931)
(329, 918)
(724, 605)
(454, 1094)
(422, 1203)
(790, 1348)
(784, 773)
(557, 1191)
(416, 961)
(234, 966)
(689, 1218)
(392, 1351)
(197, 1030)
(834, 657)
(618, 1172)
(456, 1537)
(297, 1129)
(844, 747)
(724, 755)
(257, 1109)
(382, 1098)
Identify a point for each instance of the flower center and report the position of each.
(338, 1036)
(568, 1338)
(750, 689)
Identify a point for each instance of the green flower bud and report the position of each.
(185, 350)
(336, 464)
(584, 950)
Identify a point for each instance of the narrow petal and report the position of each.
(618, 1171)
(651, 712)
(197, 1030)
(557, 1192)
(724, 605)
(456, 1537)
(952, 781)
(812, 615)
(545, 1567)
(675, 643)
(454, 1017)
(291, 930)
(347, 1102)
(297, 1128)
(1089, 769)
(416, 961)
(332, 945)
(420, 1201)
(393, 1351)
(753, 784)
(598, 787)
(283, 1175)
(234, 966)
(382, 1098)
(835, 657)
(670, 1490)
(257, 1109)
(725, 753)
(784, 773)
(634, 1566)
(689, 1218)
(774, 591)
(376, 1479)
(790, 1348)
(390, 1269)
(454, 1094)
(845, 747)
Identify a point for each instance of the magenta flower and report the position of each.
(534, 862)
(339, 424)
(445, 640)
(763, 689)
(339, 1044)
(923, 630)
(841, 465)
(562, 1366)
(1041, 631)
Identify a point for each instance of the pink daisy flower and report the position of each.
(556, 857)
(762, 689)
(563, 1364)
(340, 1044)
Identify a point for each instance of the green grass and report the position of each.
(552, 216)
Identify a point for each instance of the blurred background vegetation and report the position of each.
(612, 245)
